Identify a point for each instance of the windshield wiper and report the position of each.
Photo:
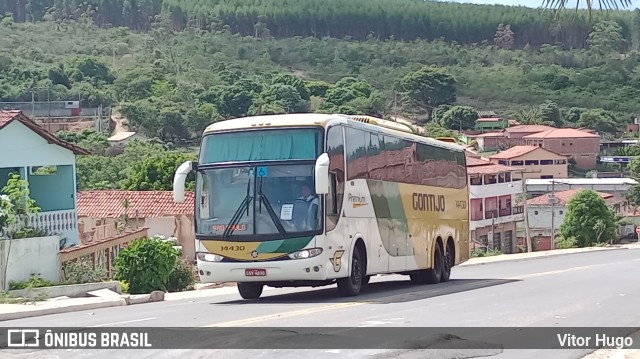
(231, 227)
(272, 212)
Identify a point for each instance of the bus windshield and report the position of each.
(257, 202)
(270, 197)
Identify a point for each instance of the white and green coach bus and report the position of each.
(315, 199)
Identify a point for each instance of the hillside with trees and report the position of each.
(172, 67)
(403, 20)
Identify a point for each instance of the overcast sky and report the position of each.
(530, 3)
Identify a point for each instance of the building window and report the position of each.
(561, 162)
(476, 181)
(505, 205)
(516, 163)
(531, 162)
(491, 207)
(484, 240)
(535, 213)
(503, 162)
(561, 212)
(490, 179)
(546, 162)
(507, 177)
(546, 177)
(476, 209)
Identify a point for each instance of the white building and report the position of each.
(545, 213)
(493, 214)
(615, 186)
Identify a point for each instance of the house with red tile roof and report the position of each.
(507, 137)
(493, 189)
(546, 212)
(582, 146)
(49, 166)
(154, 210)
(538, 162)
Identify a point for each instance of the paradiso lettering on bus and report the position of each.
(428, 202)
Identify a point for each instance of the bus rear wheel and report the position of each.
(432, 275)
(250, 290)
(449, 261)
(350, 286)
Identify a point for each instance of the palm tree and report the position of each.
(602, 4)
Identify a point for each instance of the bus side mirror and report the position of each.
(180, 178)
(322, 174)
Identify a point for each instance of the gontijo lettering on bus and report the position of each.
(427, 202)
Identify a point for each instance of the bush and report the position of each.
(34, 282)
(482, 252)
(146, 265)
(124, 287)
(565, 243)
(82, 271)
(182, 277)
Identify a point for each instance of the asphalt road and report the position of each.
(597, 289)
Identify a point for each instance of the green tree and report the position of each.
(588, 219)
(605, 38)
(155, 173)
(633, 196)
(599, 120)
(434, 130)
(428, 88)
(458, 118)
(550, 114)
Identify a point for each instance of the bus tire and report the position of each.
(250, 290)
(350, 286)
(449, 261)
(434, 275)
(366, 279)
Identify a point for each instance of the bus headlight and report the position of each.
(306, 253)
(209, 257)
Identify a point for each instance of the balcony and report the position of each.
(505, 211)
(491, 214)
(59, 223)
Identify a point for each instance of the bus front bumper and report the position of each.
(288, 270)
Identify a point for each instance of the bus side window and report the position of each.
(336, 152)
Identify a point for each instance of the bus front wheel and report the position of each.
(250, 290)
(350, 286)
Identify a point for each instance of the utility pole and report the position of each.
(524, 209)
(526, 214)
(33, 104)
(553, 199)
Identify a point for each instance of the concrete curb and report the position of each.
(520, 259)
(65, 309)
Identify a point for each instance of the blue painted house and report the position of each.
(49, 166)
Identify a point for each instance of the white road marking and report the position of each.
(124, 322)
(372, 323)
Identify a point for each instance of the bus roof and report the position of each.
(317, 119)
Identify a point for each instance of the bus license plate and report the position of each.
(255, 272)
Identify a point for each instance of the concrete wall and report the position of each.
(537, 171)
(582, 150)
(26, 256)
(542, 220)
